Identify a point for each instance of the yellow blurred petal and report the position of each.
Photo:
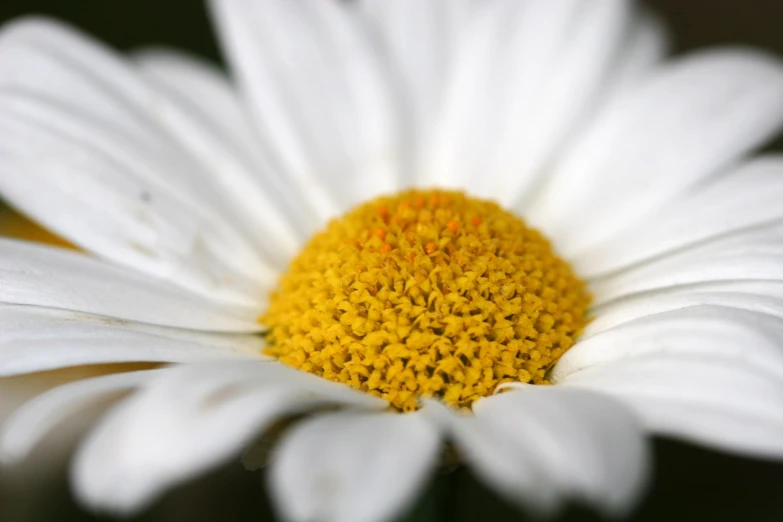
(13, 224)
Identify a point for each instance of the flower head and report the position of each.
(394, 212)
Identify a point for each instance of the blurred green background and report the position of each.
(690, 484)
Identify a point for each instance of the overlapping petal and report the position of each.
(711, 402)
(34, 339)
(352, 467)
(745, 197)
(29, 424)
(55, 278)
(103, 158)
(694, 117)
(188, 420)
(751, 255)
(712, 375)
(541, 446)
(321, 101)
(506, 109)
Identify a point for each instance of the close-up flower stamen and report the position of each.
(426, 294)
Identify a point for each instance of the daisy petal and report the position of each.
(99, 156)
(538, 446)
(755, 254)
(36, 339)
(692, 118)
(645, 47)
(278, 213)
(190, 419)
(15, 391)
(55, 278)
(712, 402)
(319, 97)
(765, 297)
(508, 106)
(747, 196)
(352, 467)
(28, 425)
(420, 40)
(711, 332)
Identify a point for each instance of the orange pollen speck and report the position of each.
(380, 233)
(399, 300)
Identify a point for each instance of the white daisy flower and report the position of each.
(389, 332)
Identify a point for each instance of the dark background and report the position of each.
(690, 484)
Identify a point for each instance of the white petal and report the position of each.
(540, 446)
(35, 339)
(645, 47)
(527, 72)
(190, 419)
(748, 196)
(270, 204)
(420, 40)
(16, 390)
(712, 332)
(692, 118)
(318, 94)
(764, 297)
(353, 467)
(712, 402)
(102, 158)
(37, 275)
(28, 425)
(756, 254)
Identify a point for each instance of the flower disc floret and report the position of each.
(426, 294)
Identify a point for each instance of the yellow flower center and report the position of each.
(426, 294)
